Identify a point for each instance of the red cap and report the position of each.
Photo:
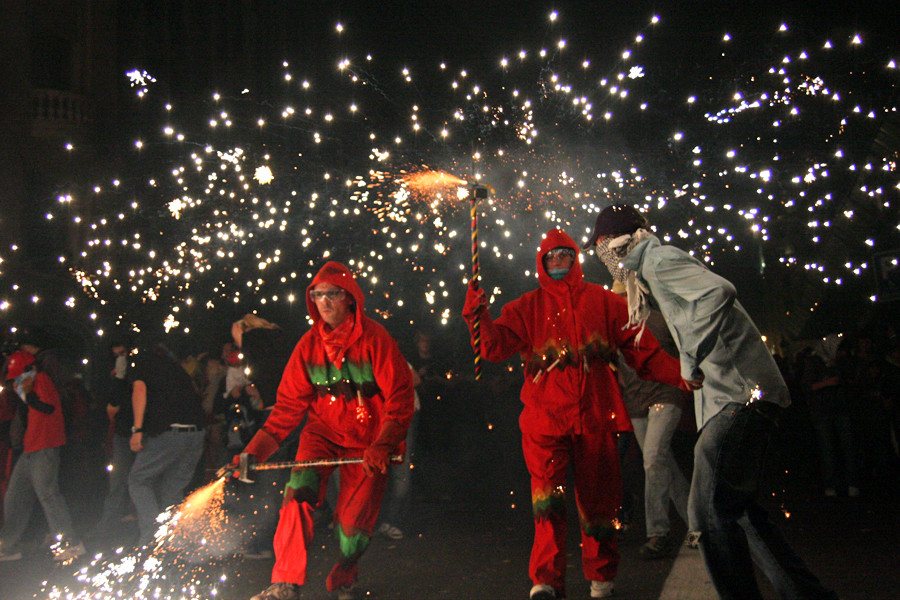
(17, 363)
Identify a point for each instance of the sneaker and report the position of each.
(692, 540)
(656, 547)
(853, 492)
(542, 591)
(66, 553)
(264, 554)
(8, 556)
(389, 531)
(347, 593)
(279, 591)
(603, 589)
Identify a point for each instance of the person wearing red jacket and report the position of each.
(348, 378)
(568, 332)
(36, 473)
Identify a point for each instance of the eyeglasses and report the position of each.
(559, 253)
(316, 295)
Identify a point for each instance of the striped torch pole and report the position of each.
(479, 192)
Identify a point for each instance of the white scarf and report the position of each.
(638, 303)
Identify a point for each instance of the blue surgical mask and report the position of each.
(557, 273)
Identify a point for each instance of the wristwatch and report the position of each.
(136, 430)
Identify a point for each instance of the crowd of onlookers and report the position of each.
(844, 416)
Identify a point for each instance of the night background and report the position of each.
(169, 166)
(764, 141)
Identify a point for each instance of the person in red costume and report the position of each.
(348, 378)
(568, 332)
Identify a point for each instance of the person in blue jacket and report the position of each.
(736, 410)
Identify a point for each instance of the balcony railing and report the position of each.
(49, 107)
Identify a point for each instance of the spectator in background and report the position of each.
(266, 349)
(9, 405)
(655, 410)
(830, 413)
(35, 477)
(117, 504)
(166, 435)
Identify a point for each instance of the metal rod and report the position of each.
(476, 276)
(319, 462)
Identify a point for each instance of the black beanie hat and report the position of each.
(616, 219)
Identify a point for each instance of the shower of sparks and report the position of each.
(180, 563)
(777, 154)
(140, 80)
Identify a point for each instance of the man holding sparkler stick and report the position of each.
(347, 376)
(568, 332)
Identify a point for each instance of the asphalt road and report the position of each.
(469, 531)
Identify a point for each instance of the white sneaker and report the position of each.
(389, 531)
(8, 556)
(542, 591)
(603, 589)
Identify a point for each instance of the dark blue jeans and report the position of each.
(734, 529)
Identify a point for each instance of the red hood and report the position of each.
(554, 239)
(337, 274)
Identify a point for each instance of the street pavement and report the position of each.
(469, 531)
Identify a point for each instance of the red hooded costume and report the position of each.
(355, 388)
(568, 332)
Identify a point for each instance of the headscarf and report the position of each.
(611, 251)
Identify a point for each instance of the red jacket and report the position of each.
(346, 401)
(580, 325)
(45, 430)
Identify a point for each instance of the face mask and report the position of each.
(20, 390)
(611, 259)
(557, 273)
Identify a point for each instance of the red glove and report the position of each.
(262, 446)
(378, 455)
(476, 301)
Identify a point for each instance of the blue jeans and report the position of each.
(734, 529)
(35, 478)
(117, 503)
(663, 480)
(837, 448)
(160, 473)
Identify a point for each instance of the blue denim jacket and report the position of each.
(713, 332)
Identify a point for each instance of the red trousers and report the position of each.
(598, 492)
(359, 500)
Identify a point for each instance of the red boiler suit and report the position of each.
(351, 399)
(568, 332)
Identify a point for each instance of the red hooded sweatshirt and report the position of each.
(349, 396)
(568, 332)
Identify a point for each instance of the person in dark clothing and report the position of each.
(166, 435)
(117, 503)
(266, 349)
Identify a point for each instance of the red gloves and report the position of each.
(476, 301)
(378, 455)
(262, 446)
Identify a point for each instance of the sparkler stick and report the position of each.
(478, 192)
(246, 465)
